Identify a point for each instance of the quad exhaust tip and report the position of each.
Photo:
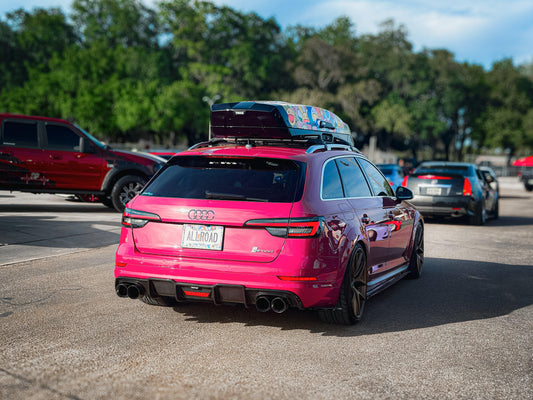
(279, 305)
(122, 290)
(133, 291)
(262, 303)
(276, 304)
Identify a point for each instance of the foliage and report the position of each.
(124, 70)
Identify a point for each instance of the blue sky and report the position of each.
(476, 31)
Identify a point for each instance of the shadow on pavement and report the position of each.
(58, 225)
(449, 291)
(67, 207)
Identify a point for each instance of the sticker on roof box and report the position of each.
(309, 117)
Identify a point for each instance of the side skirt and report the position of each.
(377, 285)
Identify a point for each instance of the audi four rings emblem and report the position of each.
(204, 215)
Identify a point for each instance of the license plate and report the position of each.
(433, 191)
(206, 237)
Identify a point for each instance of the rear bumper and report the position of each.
(216, 294)
(451, 206)
(253, 278)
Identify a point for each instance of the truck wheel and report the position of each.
(106, 201)
(529, 188)
(125, 189)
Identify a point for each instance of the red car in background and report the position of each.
(48, 155)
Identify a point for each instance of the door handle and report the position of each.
(52, 157)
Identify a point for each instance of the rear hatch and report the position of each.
(438, 183)
(224, 208)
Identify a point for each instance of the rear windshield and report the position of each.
(230, 178)
(463, 170)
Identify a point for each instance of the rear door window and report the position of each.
(20, 134)
(230, 178)
(353, 180)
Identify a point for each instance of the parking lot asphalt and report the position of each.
(464, 330)
(44, 225)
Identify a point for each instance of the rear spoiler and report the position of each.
(277, 120)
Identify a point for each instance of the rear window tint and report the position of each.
(221, 178)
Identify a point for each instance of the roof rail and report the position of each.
(329, 147)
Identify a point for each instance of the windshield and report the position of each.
(93, 139)
(230, 178)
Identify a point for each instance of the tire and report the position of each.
(496, 212)
(125, 189)
(162, 301)
(352, 295)
(106, 201)
(479, 216)
(417, 256)
(529, 188)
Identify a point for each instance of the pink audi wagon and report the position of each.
(278, 210)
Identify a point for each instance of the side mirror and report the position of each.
(403, 193)
(87, 147)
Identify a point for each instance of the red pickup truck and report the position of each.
(48, 155)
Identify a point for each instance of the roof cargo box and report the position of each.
(277, 120)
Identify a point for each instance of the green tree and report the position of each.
(507, 116)
(30, 40)
(240, 54)
(124, 23)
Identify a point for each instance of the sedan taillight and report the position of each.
(467, 188)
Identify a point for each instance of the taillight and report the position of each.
(289, 228)
(467, 188)
(137, 219)
(404, 182)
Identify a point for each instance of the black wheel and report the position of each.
(352, 296)
(125, 189)
(529, 188)
(159, 301)
(417, 256)
(479, 217)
